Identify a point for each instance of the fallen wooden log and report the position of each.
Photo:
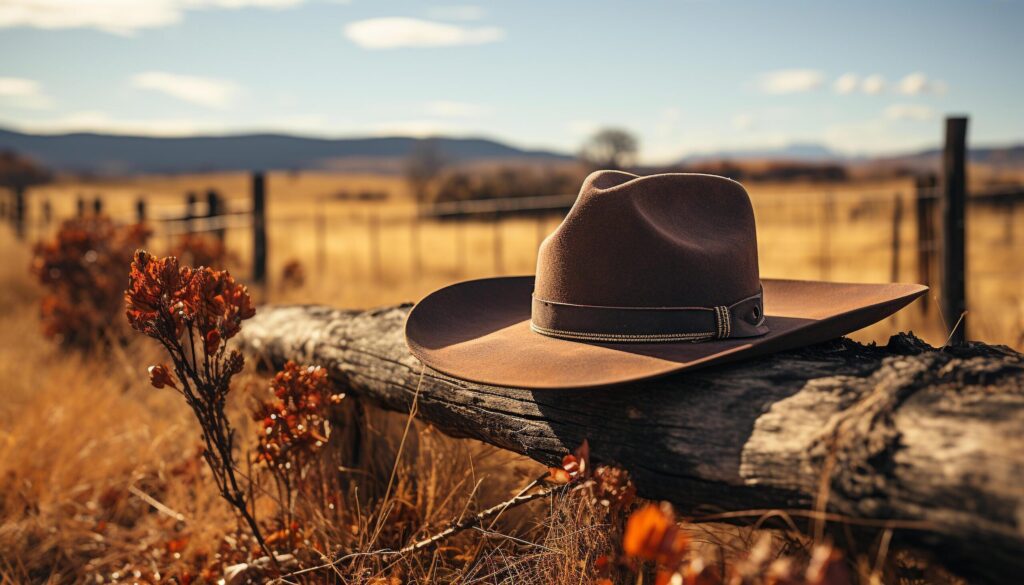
(926, 441)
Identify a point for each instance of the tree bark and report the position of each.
(927, 441)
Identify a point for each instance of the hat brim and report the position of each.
(479, 331)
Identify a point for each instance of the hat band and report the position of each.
(744, 318)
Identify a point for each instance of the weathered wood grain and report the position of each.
(903, 434)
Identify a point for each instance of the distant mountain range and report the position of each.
(109, 154)
(116, 154)
(1002, 156)
(794, 152)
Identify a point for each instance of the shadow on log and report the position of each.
(929, 442)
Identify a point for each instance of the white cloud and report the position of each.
(789, 81)
(23, 93)
(873, 84)
(846, 83)
(582, 128)
(452, 109)
(918, 83)
(876, 136)
(309, 124)
(203, 91)
(101, 122)
(18, 87)
(743, 122)
(857, 136)
(397, 32)
(416, 128)
(916, 112)
(464, 12)
(242, 3)
(121, 17)
(912, 84)
(105, 123)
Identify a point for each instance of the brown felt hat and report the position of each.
(646, 276)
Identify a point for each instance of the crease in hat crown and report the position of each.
(669, 257)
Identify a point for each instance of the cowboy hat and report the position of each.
(646, 276)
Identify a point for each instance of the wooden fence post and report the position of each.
(897, 225)
(542, 231)
(1007, 213)
(954, 205)
(374, 226)
(499, 252)
(320, 233)
(19, 211)
(214, 209)
(826, 235)
(140, 210)
(460, 244)
(259, 228)
(190, 211)
(414, 245)
(925, 203)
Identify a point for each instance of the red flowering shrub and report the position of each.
(82, 270)
(609, 487)
(295, 427)
(293, 275)
(193, 313)
(295, 421)
(165, 300)
(653, 534)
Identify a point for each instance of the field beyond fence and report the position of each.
(360, 251)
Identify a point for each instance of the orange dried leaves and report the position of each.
(610, 487)
(296, 422)
(160, 376)
(653, 535)
(164, 299)
(575, 465)
(81, 269)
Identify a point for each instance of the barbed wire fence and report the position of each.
(903, 235)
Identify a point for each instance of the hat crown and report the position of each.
(668, 240)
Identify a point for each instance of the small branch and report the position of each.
(454, 528)
(479, 518)
(751, 434)
(160, 507)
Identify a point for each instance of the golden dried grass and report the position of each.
(87, 446)
(797, 239)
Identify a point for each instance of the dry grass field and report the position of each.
(365, 253)
(100, 478)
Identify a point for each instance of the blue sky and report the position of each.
(684, 76)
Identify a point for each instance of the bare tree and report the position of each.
(424, 165)
(610, 148)
(19, 172)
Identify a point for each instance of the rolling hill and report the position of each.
(109, 154)
(119, 154)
